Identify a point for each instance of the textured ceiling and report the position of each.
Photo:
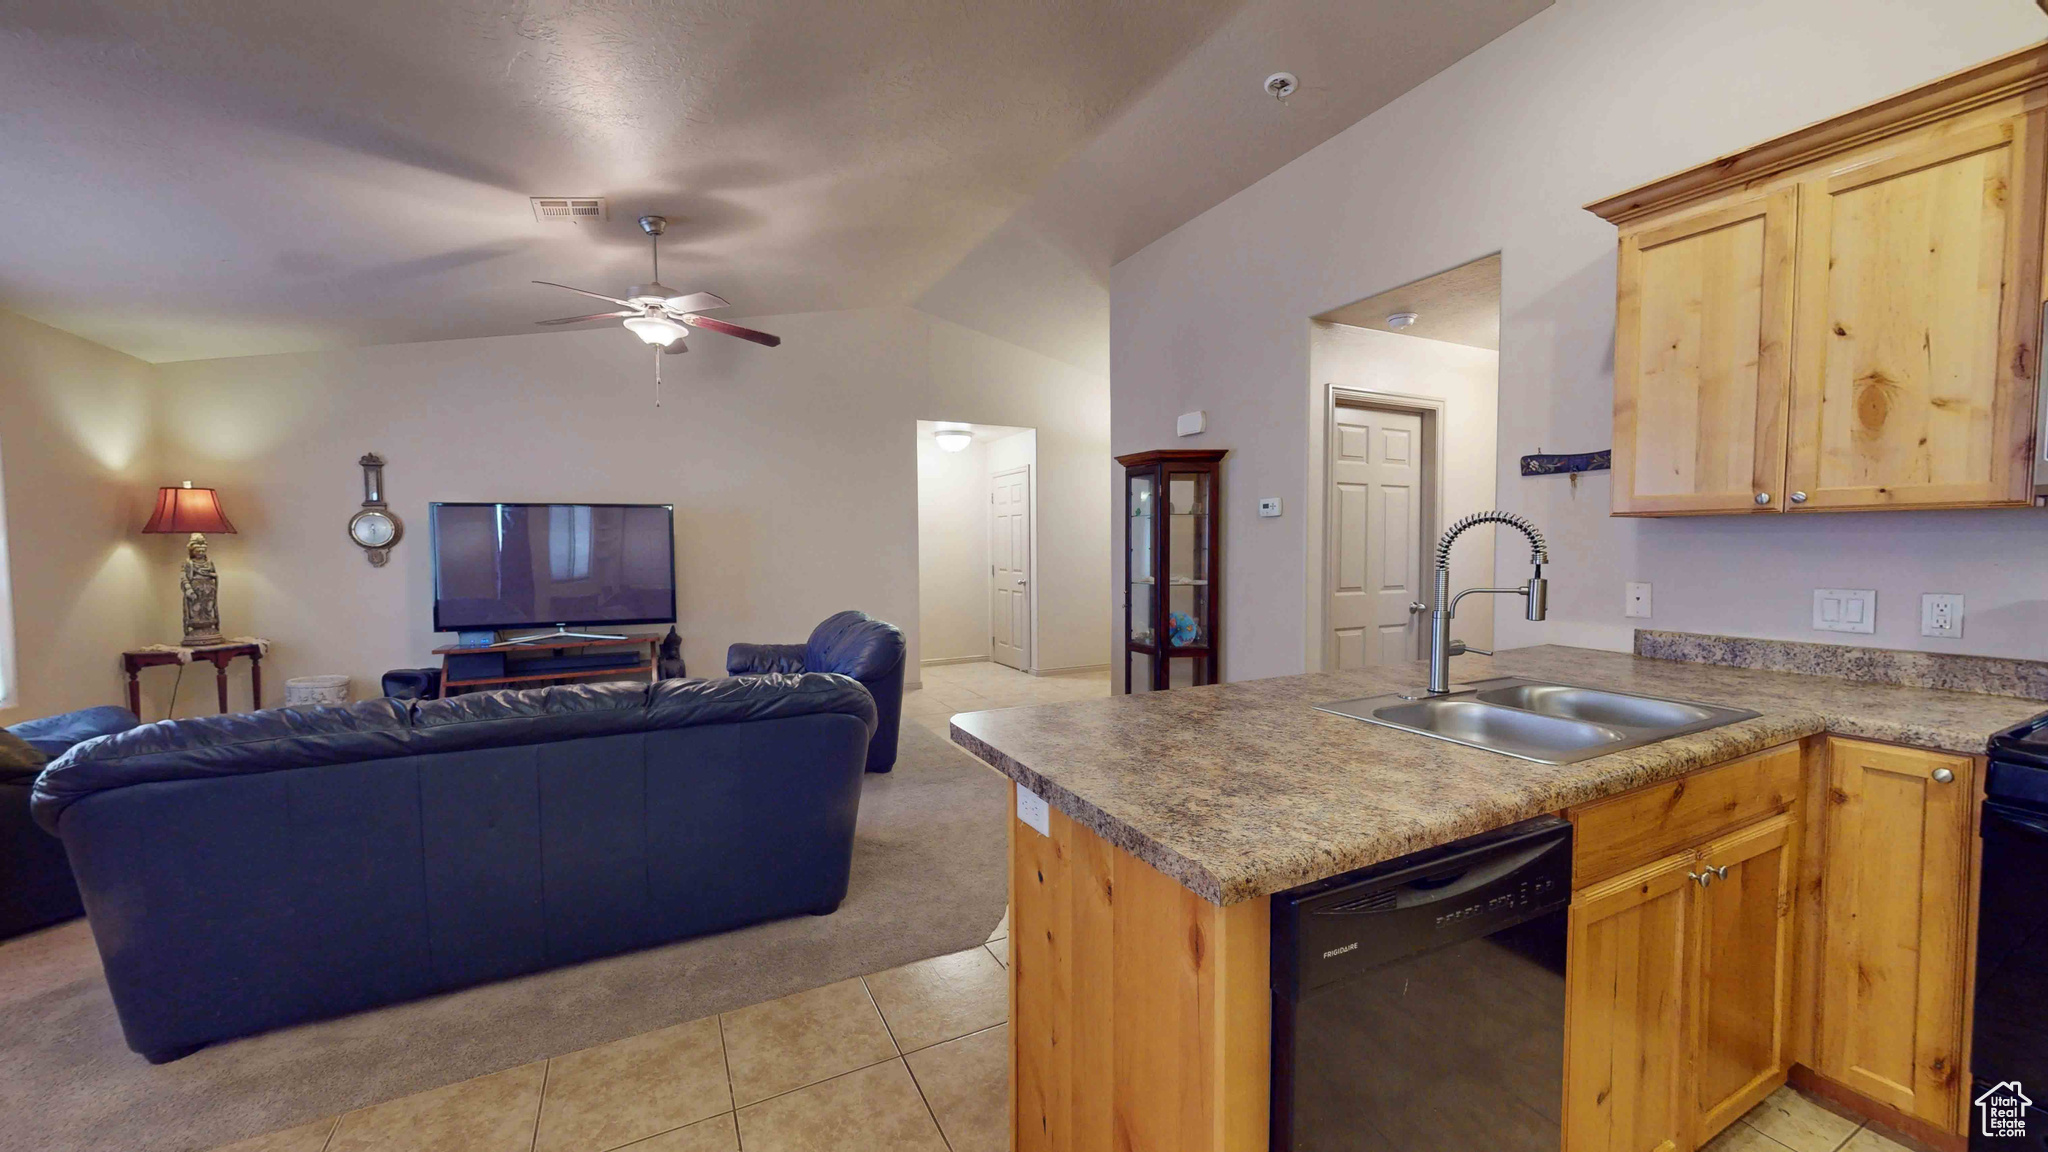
(1458, 306)
(197, 178)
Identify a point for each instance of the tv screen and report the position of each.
(524, 565)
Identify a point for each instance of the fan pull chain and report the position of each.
(657, 376)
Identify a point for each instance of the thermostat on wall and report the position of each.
(1191, 423)
(1269, 506)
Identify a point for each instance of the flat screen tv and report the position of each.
(529, 565)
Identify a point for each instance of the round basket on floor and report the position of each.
(313, 691)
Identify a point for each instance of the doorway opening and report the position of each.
(1408, 383)
(977, 535)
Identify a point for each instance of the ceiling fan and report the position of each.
(660, 315)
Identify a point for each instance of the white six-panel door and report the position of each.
(1376, 568)
(1009, 553)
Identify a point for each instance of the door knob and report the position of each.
(1799, 497)
(1763, 498)
(1415, 606)
(1943, 776)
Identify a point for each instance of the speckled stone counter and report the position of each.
(1242, 790)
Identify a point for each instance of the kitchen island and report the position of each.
(1140, 917)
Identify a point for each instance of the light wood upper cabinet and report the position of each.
(1895, 926)
(1919, 300)
(1702, 358)
(1843, 318)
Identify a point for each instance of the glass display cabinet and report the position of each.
(1171, 561)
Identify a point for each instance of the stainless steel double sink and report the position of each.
(1535, 720)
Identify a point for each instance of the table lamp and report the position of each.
(194, 510)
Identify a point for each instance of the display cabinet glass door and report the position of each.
(1170, 565)
(1185, 630)
(1141, 596)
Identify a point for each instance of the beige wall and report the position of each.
(1498, 153)
(952, 550)
(78, 469)
(792, 470)
(1465, 379)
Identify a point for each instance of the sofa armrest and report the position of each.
(755, 659)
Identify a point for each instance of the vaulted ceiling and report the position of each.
(198, 178)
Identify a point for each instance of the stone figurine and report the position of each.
(201, 586)
(669, 666)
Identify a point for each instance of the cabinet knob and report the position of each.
(1763, 498)
(1799, 497)
(1701, 878)
(1943, 776)
(1720, 872)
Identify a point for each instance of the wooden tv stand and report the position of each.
(515, 678)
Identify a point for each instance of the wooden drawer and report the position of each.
(1636, 828)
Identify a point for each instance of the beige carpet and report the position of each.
(928, 878)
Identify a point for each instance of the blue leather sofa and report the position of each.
(36, 889)
(852, 644)
(249, 871)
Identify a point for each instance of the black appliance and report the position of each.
(526, 565)
(2009, 1056)
(1418, 1005)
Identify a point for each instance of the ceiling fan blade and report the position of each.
(675, 346)
(592, 295)
(592, 316)
(730, 329)
(695, 302)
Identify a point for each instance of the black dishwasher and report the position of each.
(1418, 1005)
(2009, 1057)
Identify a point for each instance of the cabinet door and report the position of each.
(1624, 1012)
(1741, 1003)
(1702, 360)
(1894, 919)
(1919, 297)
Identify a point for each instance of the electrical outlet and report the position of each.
(1845, 609)
(1636, 602)
(1941, 614)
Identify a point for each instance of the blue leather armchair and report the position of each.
(852, 644)
(36, 889)
(249, 871)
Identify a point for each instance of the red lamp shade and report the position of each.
(187, 509)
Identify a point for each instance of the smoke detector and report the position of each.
(1281, 85)
(570, 209)
(1400, 320)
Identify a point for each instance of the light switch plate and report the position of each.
(1191, 423)
(1269, 505)
(1033, 811)
(1941, 614)
(1636, 602)
(1845, 609)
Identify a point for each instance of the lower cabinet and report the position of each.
(1679, 992)
(1895, 926)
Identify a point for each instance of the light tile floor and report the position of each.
(1789, 1122)
(915, 1058)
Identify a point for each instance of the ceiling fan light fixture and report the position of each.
(657, 330)
(953, 439)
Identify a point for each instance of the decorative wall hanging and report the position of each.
(374, 529)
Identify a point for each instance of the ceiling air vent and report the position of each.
(570, 209)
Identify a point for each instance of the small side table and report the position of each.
(218, 655)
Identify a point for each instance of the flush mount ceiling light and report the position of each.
(1400, 320)
(953, 439)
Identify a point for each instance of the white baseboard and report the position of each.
(1065, 671)
(912, 685)
(953, 660)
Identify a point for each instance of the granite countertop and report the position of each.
(1242, 790)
